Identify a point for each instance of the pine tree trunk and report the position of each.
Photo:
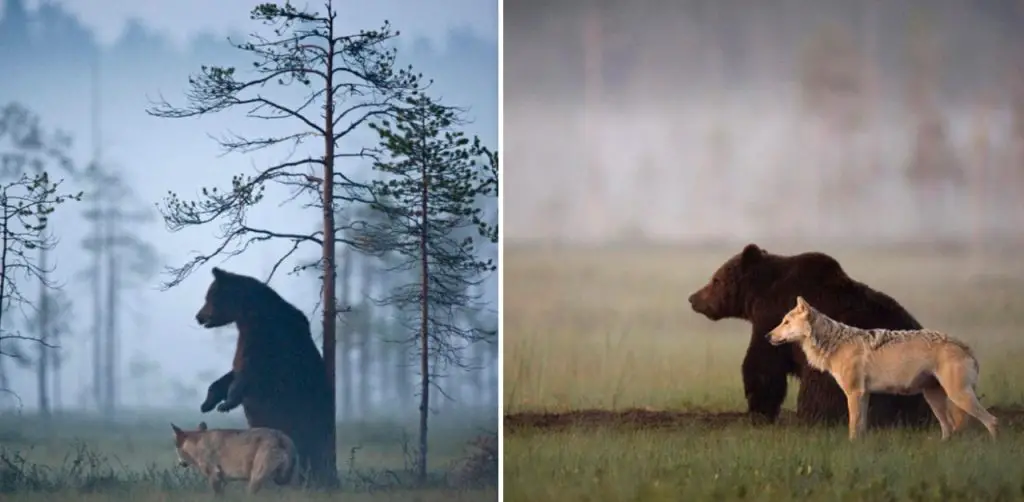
(424, 324)
(401, 371)
(43, 328)
(110, 347)
(328, 469)
(344, 390)
(365, 339)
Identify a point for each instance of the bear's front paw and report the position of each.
(226, 407)
(207, 405)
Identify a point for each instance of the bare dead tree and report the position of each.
(120, 260)
(433, 178)
(25, 208)
(934, 164)
(835, 87)
(347, 79)
(55, 306)
(27, 199)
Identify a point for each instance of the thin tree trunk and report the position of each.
(330, 299)
(110, 377)
(482, 373)
(424, 345)
(345, 349)
(401, 371)
(365, 340)
(97, 311)
(99, 242)
(43, 327)
(4, 240)
(58, 401)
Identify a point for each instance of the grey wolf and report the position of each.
(904, 362)
(255, 455)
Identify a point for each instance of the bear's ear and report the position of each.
(218, 273)
(202, 426)
(751, 254)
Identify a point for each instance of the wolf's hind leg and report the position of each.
(941, 407)
(967, 400)
(957, 416)
(264, 464)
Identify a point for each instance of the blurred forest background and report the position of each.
(114, 344)
(699, 121)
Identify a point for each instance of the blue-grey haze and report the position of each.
(146, 50)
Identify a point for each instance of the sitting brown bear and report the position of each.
(761, 287)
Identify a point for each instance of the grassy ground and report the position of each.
(77, 459)
(611, 330)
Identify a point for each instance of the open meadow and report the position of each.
(83, 460)
(614, 389)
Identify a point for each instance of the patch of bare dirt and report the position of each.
(639, 419)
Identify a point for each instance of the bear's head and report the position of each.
(228, 299)
(732, 286)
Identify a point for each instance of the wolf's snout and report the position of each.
(200, 318)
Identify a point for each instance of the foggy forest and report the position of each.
(114, 340)
(895, 121)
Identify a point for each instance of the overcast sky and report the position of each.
(179, 20)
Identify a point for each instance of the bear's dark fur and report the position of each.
(761, 287)
(277, 375)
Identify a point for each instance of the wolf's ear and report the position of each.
(219, 273)
(177, 431)
(751, 254)
(801, 303)
(202, 426)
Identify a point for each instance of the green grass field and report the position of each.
(77, 459)
(612, 330)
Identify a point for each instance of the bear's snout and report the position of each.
(693, 299)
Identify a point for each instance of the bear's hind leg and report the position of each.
(889, 410)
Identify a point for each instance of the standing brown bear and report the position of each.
(761, 287)
(277, 375)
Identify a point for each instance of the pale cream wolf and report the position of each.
(256, 455)
(903, 362)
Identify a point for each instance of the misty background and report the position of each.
(91, 68)
(731, 121)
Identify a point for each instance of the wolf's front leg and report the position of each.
(217, 392)
(216, 478)
(856, 401)
(236, 392)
